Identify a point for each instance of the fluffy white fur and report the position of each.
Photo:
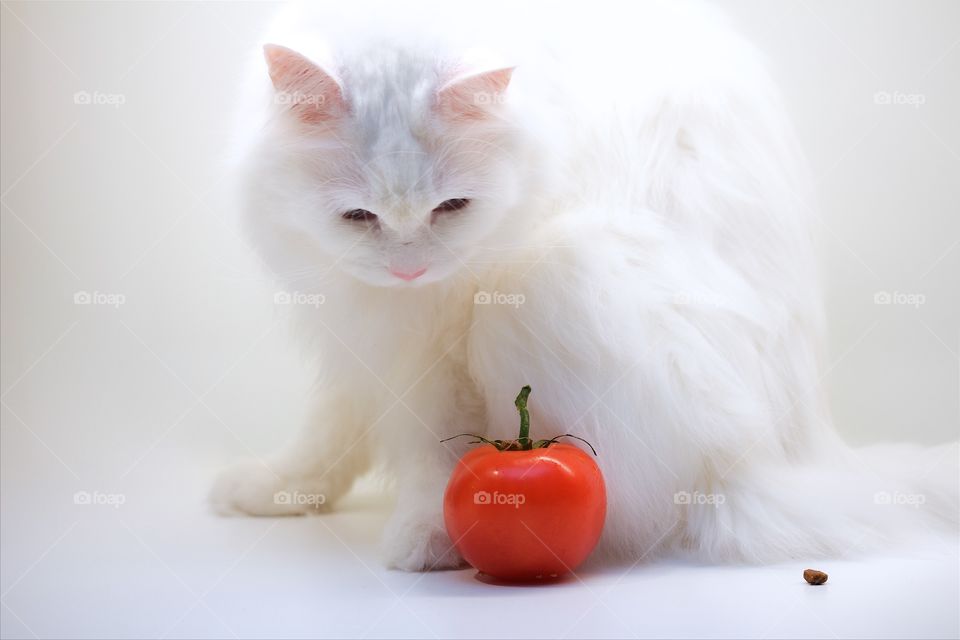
(636, 182)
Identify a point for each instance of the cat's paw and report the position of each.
(413, 543)
(252, 488)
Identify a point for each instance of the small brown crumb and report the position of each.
(814, 577)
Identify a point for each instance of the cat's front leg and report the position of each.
(415, 538)
(440, 406)
(306, 476)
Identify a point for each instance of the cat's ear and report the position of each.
(310, 92)
(473, 97)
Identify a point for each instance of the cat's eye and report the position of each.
(454, 204)
(359, 215)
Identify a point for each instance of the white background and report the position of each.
(194, 368)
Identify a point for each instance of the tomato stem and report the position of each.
(524, 442)
(521, 403)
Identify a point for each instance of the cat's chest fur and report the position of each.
(387, 340)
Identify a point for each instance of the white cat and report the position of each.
(607, 206)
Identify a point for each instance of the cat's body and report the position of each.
(635, 247)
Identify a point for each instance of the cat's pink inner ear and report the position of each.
(309, 91)
(474, 97)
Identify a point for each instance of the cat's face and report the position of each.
(400, 179)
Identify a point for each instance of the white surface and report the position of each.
(195, 370)
(157, 567)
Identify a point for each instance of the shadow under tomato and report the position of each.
(546, 581)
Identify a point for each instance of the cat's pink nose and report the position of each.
(403, 275)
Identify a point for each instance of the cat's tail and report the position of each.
(846, 502)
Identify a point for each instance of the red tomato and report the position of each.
(525, 514)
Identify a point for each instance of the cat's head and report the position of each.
(396, 169)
